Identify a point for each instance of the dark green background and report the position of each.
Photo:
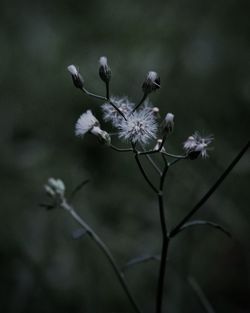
(201, 49)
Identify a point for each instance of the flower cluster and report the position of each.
(140, 126)
(134, 123)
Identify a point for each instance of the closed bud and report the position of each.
(50, 192)
(102, 135)
(151, 83)
(168, 124)
(55, 187)
(76, 76)
(159, 145)
(104, 70)
(156, 112)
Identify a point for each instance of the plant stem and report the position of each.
(155, 166)
(165, 243)
(120, 149)
(141, 101)
(90, 94)
(144, 173)
(107, 90)
(211, 190)
(92, 234)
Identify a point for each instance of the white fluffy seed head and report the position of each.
(140, 126)
(196, 145)
(85, 123)
(112, 115)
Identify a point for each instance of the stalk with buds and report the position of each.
(138, 125)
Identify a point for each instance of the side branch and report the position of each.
(211, 190)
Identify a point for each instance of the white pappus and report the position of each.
(140, 126)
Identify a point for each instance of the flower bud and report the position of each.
(168, 124)
(102, 135)
(151, 83)
(104, 70)
(50, 192)
(76, 76)
(158, 145)
(55, 187)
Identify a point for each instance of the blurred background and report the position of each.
(201, 49)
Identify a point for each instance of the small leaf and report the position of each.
(206, 223)
(47, 206)
(78, 233)
(140, 259)
(78, 188)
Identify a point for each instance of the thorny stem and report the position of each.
(211, 190)
(165, 243)
(92, 234)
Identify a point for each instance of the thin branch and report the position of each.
(140, 102)
(209, 193)
(77, 189)
(165, 243)
(120, 149)
(139, 260)
(174, 155)
(92, 234)
(144, 174)
(202, 223)
(90, 94)
(155, 166)
(107, 90)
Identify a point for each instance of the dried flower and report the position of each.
(140, 126)
(196, 145)
(76, 76)
(112, 115)
(87, 123)
(151, 83)
(104, 69)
